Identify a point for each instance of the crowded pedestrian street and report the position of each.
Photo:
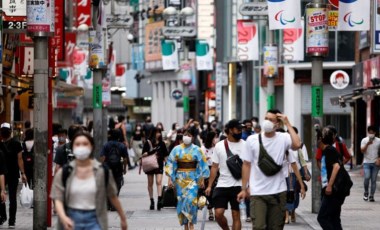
(356, 213)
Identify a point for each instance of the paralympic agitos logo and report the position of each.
(348, 18)
(280, 17)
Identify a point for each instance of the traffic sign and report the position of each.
(254, 9)
(182, 31)
(176, 94)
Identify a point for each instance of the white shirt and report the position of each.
(259, 183)
(172, 135)
(220, 157)
(83, 194)
(208, 152)
(370, 155)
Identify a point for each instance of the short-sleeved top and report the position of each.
(161, 153)
(344, 150)
(137, 137)
(208, 152)
(11, 149)
(219, 156)
(371, 155)
(61, 154)
(330, 156)
(121, 147)
(276, 146)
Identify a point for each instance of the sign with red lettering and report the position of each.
(14, 14)
(70, 39)
(317, 33)
(59, 32)
(83, 13)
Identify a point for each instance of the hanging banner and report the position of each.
(317, 101)
(204, 56)
(83, 13)
(169, 54)
(317, 33)
(284, 14)
(40, 16)
(293, 44)
(10, 44)
(270, 61)
(96, 55)
(248, 40)
(354, 15)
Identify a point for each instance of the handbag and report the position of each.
(343, 183)
(234, 163)
(266, 163)
(149, 163)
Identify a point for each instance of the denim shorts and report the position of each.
(83, 219)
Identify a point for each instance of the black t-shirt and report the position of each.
(3, 169)
(62, 154)
(147, 128)
(161, 153)
(121, 147)
(137, 137)
(11, 149)
(331, 156)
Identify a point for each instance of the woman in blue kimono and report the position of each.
(187, 167)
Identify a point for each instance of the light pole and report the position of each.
(179, 28)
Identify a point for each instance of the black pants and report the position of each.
(12, 183)
(329, 213)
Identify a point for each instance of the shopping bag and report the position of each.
(26, 196)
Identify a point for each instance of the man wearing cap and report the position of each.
(12, 151)
(228, 187)
(268, 192)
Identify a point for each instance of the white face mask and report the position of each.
(371, 135)
(186, 140)
(268, 126)
(254, 124)
(81, 152)
(204, 127)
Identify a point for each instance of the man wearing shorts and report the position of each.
(228, 187)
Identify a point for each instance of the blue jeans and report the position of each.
(370, 173)
(83, 219)
(292, 206)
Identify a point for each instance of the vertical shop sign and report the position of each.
(169, 54)
(375, 31)
(203, 53)
(317, 103)
(270, 61)
(83, 13)
(293, 44)
(10, 43)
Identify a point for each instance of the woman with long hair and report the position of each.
(137, 142)
(187, 168)
(155, 145)
(80, 189)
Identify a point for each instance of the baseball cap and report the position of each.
(234, 123)
(6, 125)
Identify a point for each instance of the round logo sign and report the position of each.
(339, 79)
(176, 94)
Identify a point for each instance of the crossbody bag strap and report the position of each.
(228, 151)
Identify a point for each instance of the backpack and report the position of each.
(69, 155)
(113, 160)
(67, 169)
(27, 156)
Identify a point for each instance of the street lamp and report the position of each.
(179, 28)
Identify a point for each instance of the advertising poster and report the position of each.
(375, 32)
(153, 41)
(248, 40)
(96, 51)
(284, 14)
(317, 33)
(204, 56)
(40, 16)
(293, 44)
(169, 54)
(270, 61)
(354, 15)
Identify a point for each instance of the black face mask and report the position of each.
(237, 136)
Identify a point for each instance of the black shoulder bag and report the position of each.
(266, 163)
(234, 163)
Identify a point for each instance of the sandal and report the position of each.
(211, 218)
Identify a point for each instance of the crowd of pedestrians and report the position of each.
(255, 168)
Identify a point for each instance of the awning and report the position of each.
(68, 89)
(359, 93)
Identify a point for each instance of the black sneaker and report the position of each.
(11, 225)
(365, 197)
(2, 220)
(371, 199)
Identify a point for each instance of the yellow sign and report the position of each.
(333, 19)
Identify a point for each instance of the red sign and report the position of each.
(335, 3)
(70, 39)
(83, 13)
(26, 66)
(59, 32)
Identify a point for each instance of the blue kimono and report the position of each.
(187, 180)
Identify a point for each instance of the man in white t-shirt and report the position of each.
(268, 193)
(228, 187)
(370, 147)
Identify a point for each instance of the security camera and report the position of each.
(130, 37)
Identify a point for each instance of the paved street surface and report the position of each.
(356, 213)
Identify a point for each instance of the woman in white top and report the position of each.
(172, 134)
(80, 190)
(208, 149)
